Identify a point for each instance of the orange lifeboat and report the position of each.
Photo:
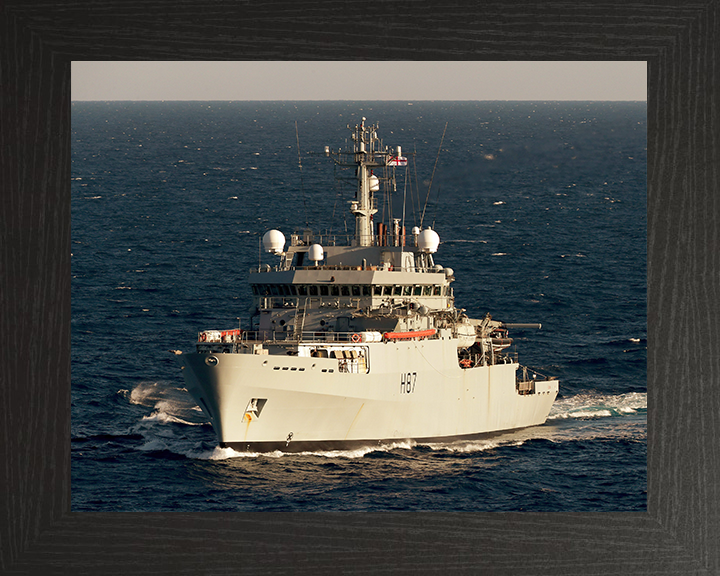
(235, 332)
(409, 335)
(230, 335)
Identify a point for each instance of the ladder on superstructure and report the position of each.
(300, 319)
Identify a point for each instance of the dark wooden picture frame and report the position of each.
(681, 529)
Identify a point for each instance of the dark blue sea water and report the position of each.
(541, 211)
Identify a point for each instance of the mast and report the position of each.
(367, 154)
(365, 139)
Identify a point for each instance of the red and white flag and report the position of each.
(397, 161)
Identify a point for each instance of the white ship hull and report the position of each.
(412, 390)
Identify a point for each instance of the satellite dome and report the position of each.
(449, 273)
(315, 253)
(428, 240)
(274, 241)
(374, 183)
(415, 230)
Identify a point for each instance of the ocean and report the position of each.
(541, 212)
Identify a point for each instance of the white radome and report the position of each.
(374, 183)
(274, 241)
(428, 240)
(316, 253)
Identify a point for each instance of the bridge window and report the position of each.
(397, 291)
(407, 290)
(417, 291)
(366, 290)
(356, 290)
(334, 291)
(345, 290)
(377, 290)
(324, 291)
(438, 290)
(302, 290)
(313, 290)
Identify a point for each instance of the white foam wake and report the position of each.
(169, 405)
(598, 405)
(224, 453)
(457, 446)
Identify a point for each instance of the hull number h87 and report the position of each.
(407, 382)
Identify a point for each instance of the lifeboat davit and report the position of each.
(409, 335)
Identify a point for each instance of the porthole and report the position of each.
(211, 361)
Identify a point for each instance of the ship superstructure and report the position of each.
(360, 343)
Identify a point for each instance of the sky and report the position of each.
(359, 80)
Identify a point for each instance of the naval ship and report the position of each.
(358, 342)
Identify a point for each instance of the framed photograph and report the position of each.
(539, 209)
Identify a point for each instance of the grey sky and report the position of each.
(396, 80)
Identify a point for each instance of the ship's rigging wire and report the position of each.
(337, 195)
(259, 252)
(433, 175)
(302, 186)
(388, 193)
(341, 184)
(385, 198)
(437, 202)
(404, 201)
(417, 188)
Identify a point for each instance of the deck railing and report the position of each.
(238, 340)
(261, 336)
